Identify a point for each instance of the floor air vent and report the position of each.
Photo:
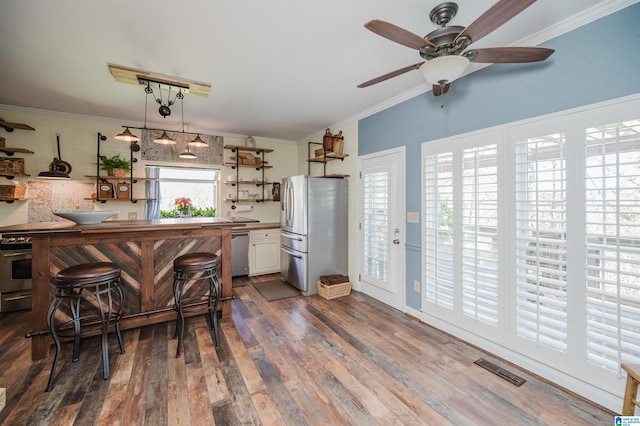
(500, 372)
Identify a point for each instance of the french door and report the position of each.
(381, 226)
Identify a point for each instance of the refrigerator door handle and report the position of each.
(290, 203)
(291, 253)
(290, 236)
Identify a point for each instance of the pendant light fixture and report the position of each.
(198, 142)
(188, 155)
(58, 169)
(127, 136)
(164, 139)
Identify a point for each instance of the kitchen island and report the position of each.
(144, 249)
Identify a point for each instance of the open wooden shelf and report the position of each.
(330, 156)
(11, 176)
(126, 178)
(261, 166)
(246, 148)
(11, 151)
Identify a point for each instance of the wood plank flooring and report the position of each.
(296, 361)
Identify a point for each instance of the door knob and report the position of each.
(396, 241)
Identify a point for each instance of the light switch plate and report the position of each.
(416, 286)
(133, 215)
(412, 217)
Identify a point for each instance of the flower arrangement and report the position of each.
(183, 205)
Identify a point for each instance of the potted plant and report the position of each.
(115, 166)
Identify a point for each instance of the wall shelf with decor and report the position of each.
(12, 167)
(323, 156)
(122, 189)
(244, 158)
(128, 197)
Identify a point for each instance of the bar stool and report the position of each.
(88, 288)
(195, 267)
(631, 391)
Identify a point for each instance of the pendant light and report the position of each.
(127, 136)
(198, 142)
(58, 169)
(188, 155)
(164, 139)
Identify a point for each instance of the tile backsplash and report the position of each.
(45, 197)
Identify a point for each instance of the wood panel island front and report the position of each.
(144, 249)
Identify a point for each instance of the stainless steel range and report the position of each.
(15, 273)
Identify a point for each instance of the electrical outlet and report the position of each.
(133, 215)
(416, 286)
(412, 217)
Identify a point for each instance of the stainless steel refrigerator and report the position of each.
(313, 222)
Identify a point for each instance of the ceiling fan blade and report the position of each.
(397, 34)
(494, 17)
(440, 90)
(509, 55)
(390, 75)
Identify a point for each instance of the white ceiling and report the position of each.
(279, 69)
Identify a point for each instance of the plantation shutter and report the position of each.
(480, 234)
(541, 246)
(438, 229)
(375, 224)
(612, 204)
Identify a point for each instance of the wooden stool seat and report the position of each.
(194, 267)
(88, 289)
(631, 390)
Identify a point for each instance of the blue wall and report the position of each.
(594, 63)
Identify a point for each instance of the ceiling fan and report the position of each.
(444, 49)
(10, 126)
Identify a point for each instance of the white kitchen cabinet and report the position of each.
(264, 251)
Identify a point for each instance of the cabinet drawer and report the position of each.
(265, 234)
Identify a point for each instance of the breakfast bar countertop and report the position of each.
(145, 251)
(117, 226)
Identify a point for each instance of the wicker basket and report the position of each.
(334, 290)
(12, 192)
(12, 166)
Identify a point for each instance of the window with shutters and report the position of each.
(480, 234)
(612, 211)
(375, 224)
(461, 221)
(536, 233)
(541, 245)
(438, 229)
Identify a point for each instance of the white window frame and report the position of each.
(570, 368)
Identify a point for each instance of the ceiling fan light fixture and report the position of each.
(164, 139)
(198, 142)
(444, 69)
(127, 136)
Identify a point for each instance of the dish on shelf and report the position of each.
(87, 218)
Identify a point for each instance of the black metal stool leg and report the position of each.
(120, 308)
(213, 313)
(178, 288)
(53, 307)
(74, 304)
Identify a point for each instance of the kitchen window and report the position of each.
(186, 191)
(531, 239)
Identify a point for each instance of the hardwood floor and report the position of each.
(296, 361)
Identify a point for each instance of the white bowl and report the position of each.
(86, 218)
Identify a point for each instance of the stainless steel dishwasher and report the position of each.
(239, 253)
